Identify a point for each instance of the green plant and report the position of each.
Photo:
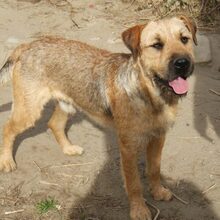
(46, 205)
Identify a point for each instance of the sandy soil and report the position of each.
(90, 187)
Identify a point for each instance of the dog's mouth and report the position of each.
(178, 86)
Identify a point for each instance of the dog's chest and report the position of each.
(162, 120)
(168, 115)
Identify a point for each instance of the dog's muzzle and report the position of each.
(181, 66)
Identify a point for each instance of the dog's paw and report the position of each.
(7, 163)
(161, 193)
(73, 150)
(139, 211)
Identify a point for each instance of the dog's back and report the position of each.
(66, 70)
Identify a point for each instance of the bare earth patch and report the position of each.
(90, 186)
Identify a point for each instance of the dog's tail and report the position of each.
(5, 72)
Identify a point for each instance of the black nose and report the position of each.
(181, 64)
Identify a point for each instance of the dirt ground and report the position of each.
(90, 187)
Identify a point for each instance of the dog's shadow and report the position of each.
(107, 199)
(41, 124)
(206, 101)
(5, 107)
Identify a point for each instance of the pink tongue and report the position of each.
(179, 85)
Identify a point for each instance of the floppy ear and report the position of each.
(131, 38)
(191, 25)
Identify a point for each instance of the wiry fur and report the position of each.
(120, 90)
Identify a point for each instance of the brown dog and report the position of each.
(136, 93)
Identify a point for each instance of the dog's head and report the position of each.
(165, 50)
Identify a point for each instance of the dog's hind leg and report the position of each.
(21, 119)
(29, 100)
(16, 124)
(57, 124)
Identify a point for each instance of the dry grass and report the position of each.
(205, 12)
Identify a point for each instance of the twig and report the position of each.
(189, 137)
(204, 28)
(7, 198)
(71, 16)
(209, 188)
(47, 183)
(203, 6)
(72, 164)
(79, 207)
(35, 163)
(154, 207)
(157, 9)
(12, 212)
(74, 22)
(169, 12)
(215, 174)
(92, 218)
(213, 9)
(71, 10)
(213, 91)
(130, 4)
(15, 202)
(83, 180)
(65, 175)
(216, 118)
(215, 78)
(181, 200)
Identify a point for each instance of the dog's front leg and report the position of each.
(154, 150)
(138, 209)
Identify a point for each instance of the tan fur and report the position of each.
(115, 89)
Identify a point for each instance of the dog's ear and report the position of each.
(131, 38)
(191, 25)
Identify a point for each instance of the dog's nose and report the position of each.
(181, 64)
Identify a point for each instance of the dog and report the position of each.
(136, 93)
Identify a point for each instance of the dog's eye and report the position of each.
(158, 46)
(184, 39)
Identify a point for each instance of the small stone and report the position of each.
(203, 50)
(13, 40)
